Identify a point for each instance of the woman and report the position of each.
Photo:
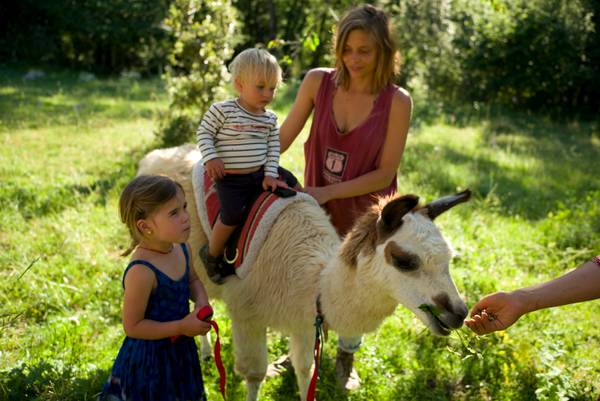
(358, 133)
(360, 120)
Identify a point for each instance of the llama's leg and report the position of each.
(301, 354)
(250, 344)
(205, 347)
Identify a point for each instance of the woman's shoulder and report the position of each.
(401, 98)
(312, 81)
(315, 75)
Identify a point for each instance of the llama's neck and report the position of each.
(352, 301)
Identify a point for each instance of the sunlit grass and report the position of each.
(67, 147)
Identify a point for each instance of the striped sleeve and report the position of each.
(211, 124)
(273, 150)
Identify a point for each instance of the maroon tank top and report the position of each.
(333, 157)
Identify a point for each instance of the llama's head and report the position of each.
(410, 258)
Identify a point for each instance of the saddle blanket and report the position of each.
(245, 243)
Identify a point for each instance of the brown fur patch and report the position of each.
(396, 256)
(362, 237)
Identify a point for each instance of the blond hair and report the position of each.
(142, 197)
(375, 22)
(255, 64)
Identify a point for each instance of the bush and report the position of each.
(526, 54)
(204, 33)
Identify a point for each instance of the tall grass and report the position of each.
(68, 146)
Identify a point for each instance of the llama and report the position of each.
(394, 255)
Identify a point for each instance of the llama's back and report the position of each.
(281, 288)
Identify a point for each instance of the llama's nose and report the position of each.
(452, 314)
(461, 310)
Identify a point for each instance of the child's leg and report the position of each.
(220, 234)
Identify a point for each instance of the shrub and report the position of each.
(204, 36)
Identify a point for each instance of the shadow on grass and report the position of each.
(30, 202)
(560, 157)
(50, 382)
(63, 97)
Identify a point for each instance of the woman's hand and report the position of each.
(321, 194)
(215, 168)
(192, 326)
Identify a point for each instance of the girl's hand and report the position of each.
(321, 194)
(271, 183)
(191, 326)
(215, 168)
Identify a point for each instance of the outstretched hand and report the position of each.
(495, 312)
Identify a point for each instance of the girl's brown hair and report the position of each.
(140, 198)
(375, 22)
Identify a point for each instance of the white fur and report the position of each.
(299, 260)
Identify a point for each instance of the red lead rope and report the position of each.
(206, 313)
(312, 387)
(219, 361)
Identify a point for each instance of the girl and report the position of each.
(158, 359)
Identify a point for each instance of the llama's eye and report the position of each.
(405, 262)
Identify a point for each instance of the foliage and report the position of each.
(104, 36)
(204, 32)
(532, 54)
(298, 33)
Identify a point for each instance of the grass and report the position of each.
(68, 147)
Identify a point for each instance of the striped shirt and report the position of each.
(239, 138)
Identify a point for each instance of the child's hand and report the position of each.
(215, 168)
(192, 326)
(271, 183)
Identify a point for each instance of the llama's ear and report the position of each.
(391, 215)
(439, 206)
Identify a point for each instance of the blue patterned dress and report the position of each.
(159, 370)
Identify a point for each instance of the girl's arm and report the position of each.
(393, 148)
(301, 109)
(139, 282)
(197, 290)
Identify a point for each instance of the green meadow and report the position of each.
(69, 145)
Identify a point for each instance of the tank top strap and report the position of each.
(184, 248)
(325, 91)
(141, 262)
(385, 97)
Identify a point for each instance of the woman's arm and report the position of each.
(393, 148)
(139, 282)
(301, 109)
